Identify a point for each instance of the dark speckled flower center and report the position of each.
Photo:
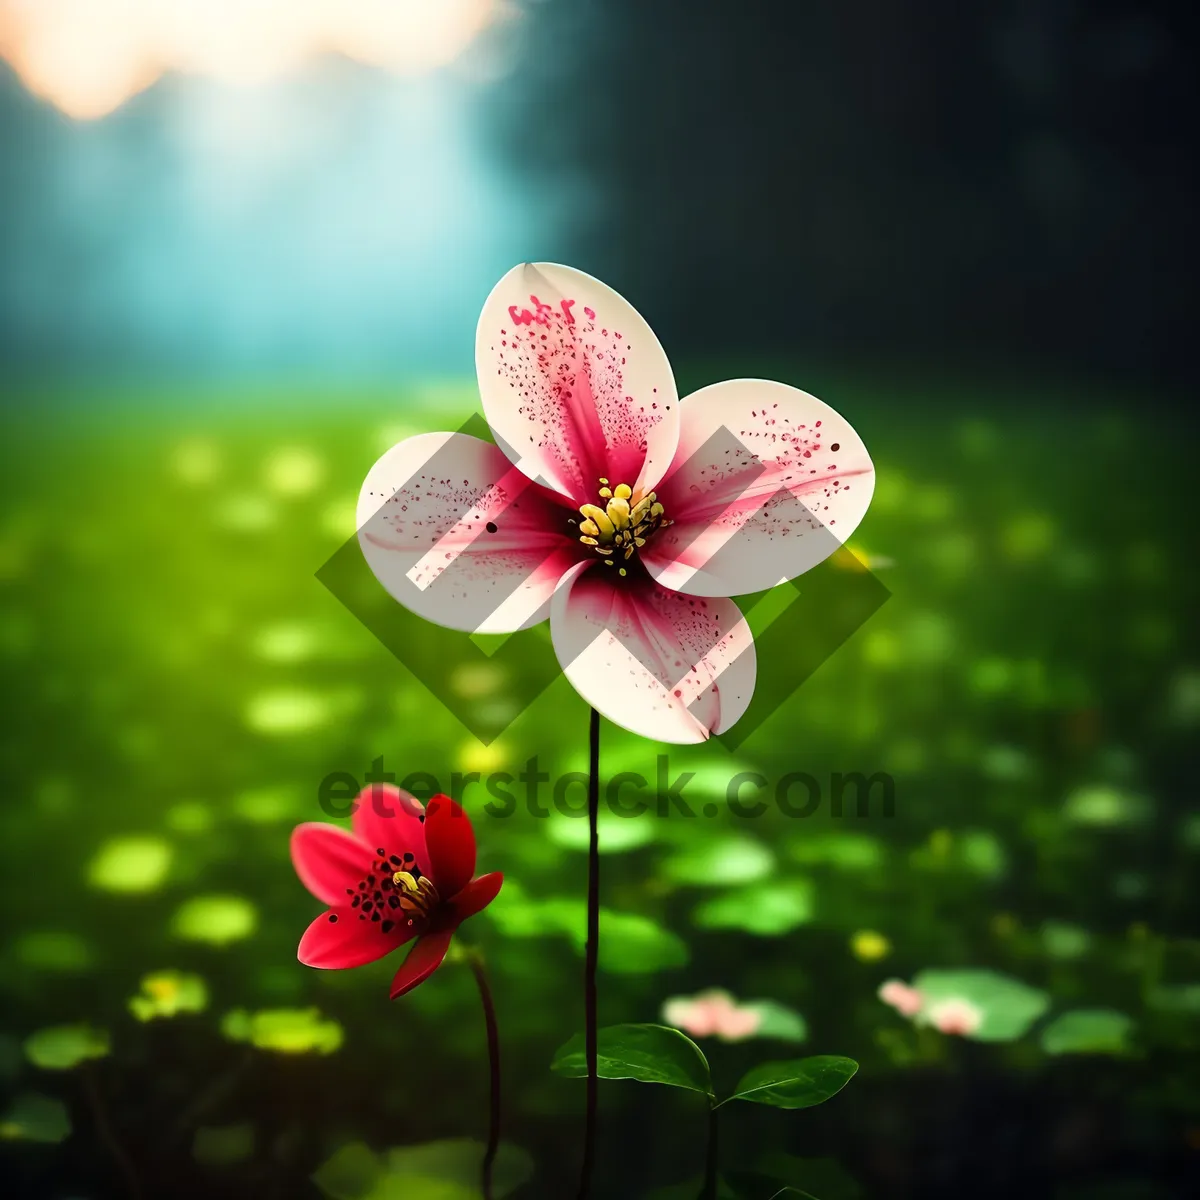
(619, 529)
(396, 892)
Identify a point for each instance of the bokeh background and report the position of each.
(242, 251)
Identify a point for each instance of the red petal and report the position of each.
(423, 959)
(450, 843)
(349, 941)
(329, 860)
(387, 818)
(478, 894)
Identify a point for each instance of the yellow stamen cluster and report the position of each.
(418, 896)
(622, 525)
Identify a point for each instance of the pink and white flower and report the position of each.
(625, 516)
(903, 997)
(713, 1013)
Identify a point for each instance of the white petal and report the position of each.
(767, 482)
(459, 536)
(668, 667)
(574, 383)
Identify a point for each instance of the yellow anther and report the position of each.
(618, 511)
(600, 517)
(621, 526)
(417, 896)
(638, 513)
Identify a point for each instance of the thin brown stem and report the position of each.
(493, 1040)
(709, 1191)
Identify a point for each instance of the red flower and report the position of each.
(404, 873)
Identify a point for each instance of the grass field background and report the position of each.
(176, 684)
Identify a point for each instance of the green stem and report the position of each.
(593, 955)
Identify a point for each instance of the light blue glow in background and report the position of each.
(342, 223)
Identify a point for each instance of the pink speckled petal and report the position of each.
(669, 667)
(459, 536)
(344, 937)
(767, 482)
(575, 385)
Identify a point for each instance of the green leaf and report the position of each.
(61, 1047)
(167, 994)
(217, 919)
(443, 1170)
(453, 1161)
(842, 851)
(52, 950)
(778, 1021)
(617, 835)
(131, 864)
(647, 1053)
(631, 944)
(766, 910)
(1062, 940)
(33, 1117)
(1088, 1031)
(1175, 998)
(1007, 1007)
(284, 1030)
(727, 863)
(349, 1173)
(797, 1083)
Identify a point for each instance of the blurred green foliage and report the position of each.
(177, 684)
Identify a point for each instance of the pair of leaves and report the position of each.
(659, 1054)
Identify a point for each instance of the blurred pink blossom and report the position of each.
(955, 1016)
(906, 1000)
(713, 1013)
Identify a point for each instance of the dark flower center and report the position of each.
(396, 892)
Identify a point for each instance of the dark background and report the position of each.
(1010, 184)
